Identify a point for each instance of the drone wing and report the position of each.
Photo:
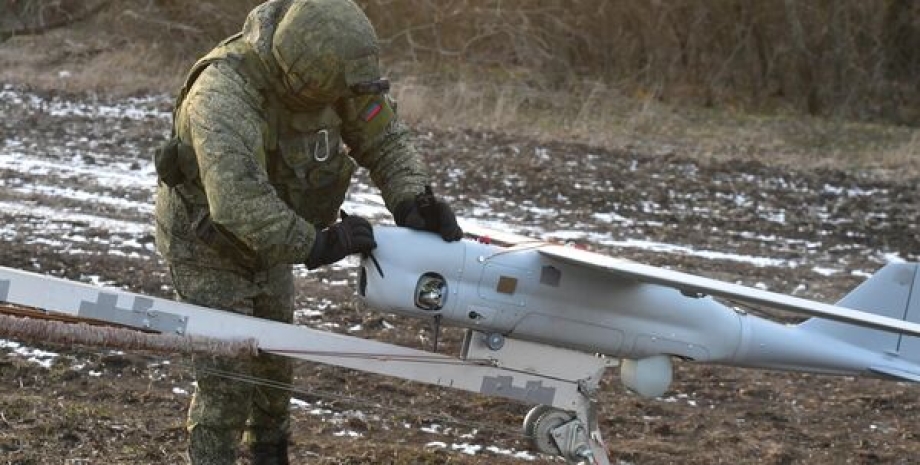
(494, 236)
(701, 285)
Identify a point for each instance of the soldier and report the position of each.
(252, 180)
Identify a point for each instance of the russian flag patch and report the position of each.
(371, 111)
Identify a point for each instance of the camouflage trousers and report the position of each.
(223, 410)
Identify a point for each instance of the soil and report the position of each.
(741, 221)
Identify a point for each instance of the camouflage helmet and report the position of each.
(325, 50)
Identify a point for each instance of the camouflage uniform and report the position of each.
(257, 166)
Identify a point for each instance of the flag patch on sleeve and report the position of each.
(371, 111)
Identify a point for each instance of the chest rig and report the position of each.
(307, 165)
(302, 154)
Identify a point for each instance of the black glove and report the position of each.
(426, 213)
(351, 235)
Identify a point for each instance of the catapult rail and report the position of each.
(145, 313)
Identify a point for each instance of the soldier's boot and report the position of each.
(266, 453)
(212, 446)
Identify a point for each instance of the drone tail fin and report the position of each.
(894, 292)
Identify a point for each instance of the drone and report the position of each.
(543, 323)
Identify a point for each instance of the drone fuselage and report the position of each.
(518, 292)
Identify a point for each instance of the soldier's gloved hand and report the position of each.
(426, 213)
(351, 235)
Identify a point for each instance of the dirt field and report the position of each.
(76, 187)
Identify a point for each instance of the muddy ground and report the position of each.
(76, 187)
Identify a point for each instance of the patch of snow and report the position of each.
(825, 271)
(65, 220)
(434, 428)
(466, 448)
(518, 454)
(39, 357)
(612, 217)
(301, 404)
(775, 217)
(308, 313)
(892, 257)
(135, 108)
(678, 398)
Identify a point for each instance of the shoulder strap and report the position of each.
(214, 55)
(252, 68)
(235, 51)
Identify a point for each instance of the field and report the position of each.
(76, 202)
(786, 202)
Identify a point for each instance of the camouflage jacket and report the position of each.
(266, 176)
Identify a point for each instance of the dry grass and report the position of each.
(705, 79)
(596, 114)
(846, 58)
(130, 46)
(128, 69)
(850, 58)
